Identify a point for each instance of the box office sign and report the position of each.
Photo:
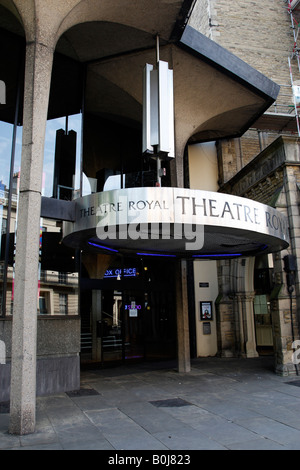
(176, 220)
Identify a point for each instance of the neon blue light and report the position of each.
(156, 254)
(102, 247)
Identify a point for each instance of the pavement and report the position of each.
(222, 404)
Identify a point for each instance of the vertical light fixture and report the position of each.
(158, 112)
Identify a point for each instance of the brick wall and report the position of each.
(257, 31)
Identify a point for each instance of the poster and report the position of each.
(206, 311)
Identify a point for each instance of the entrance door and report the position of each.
(120, 328)
(134, 318)
(134, 328)
(263, 286)
(109, 327)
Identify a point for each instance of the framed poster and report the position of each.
(206, 311)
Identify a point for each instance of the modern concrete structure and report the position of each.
(99, 252)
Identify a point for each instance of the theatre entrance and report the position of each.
(130, 314)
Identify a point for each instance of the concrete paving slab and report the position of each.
(150, 418)
(187, 439)
(260, 443)
(122, 431)
(273, 430)
(237, 404)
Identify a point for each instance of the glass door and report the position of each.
(133, 318)
(133, 333)
(110, 328)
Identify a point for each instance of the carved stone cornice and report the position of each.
(245, 296)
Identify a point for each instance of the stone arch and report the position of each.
(23, 17)
(10, 6)
(137, 15)
(112, 92)
(113, 56)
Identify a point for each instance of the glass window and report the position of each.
(12, 78)
(63, 304)
(61, 180)
(62, 143)
(62, 278)
(42, 304)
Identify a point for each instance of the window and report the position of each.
(45, 302)
(62, 278)
(63, 304)
(42, 305)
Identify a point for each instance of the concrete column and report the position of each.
(184, 357)
(39, 60)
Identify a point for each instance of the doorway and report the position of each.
(263, 286)
(132, 313)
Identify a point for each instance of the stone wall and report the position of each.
(58, 347)
(259, 33)
(273, 178)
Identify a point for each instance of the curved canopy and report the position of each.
(175, 222)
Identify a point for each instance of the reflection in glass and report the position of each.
(58, 271)
(63, 126)
(10, 158)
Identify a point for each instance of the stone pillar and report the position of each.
(225, 312)
(282, 321)
(225, 326)
(291, 178)
(247, 324)
(39, 60)
(286, 317)
(184, 356)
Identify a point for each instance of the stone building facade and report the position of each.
(261, 165)
(272, 177)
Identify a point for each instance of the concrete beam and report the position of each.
(58, 209)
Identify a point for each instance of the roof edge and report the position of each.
(199, 45)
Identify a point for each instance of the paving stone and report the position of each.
(221, 404)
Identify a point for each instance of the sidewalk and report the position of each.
(237, 404)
